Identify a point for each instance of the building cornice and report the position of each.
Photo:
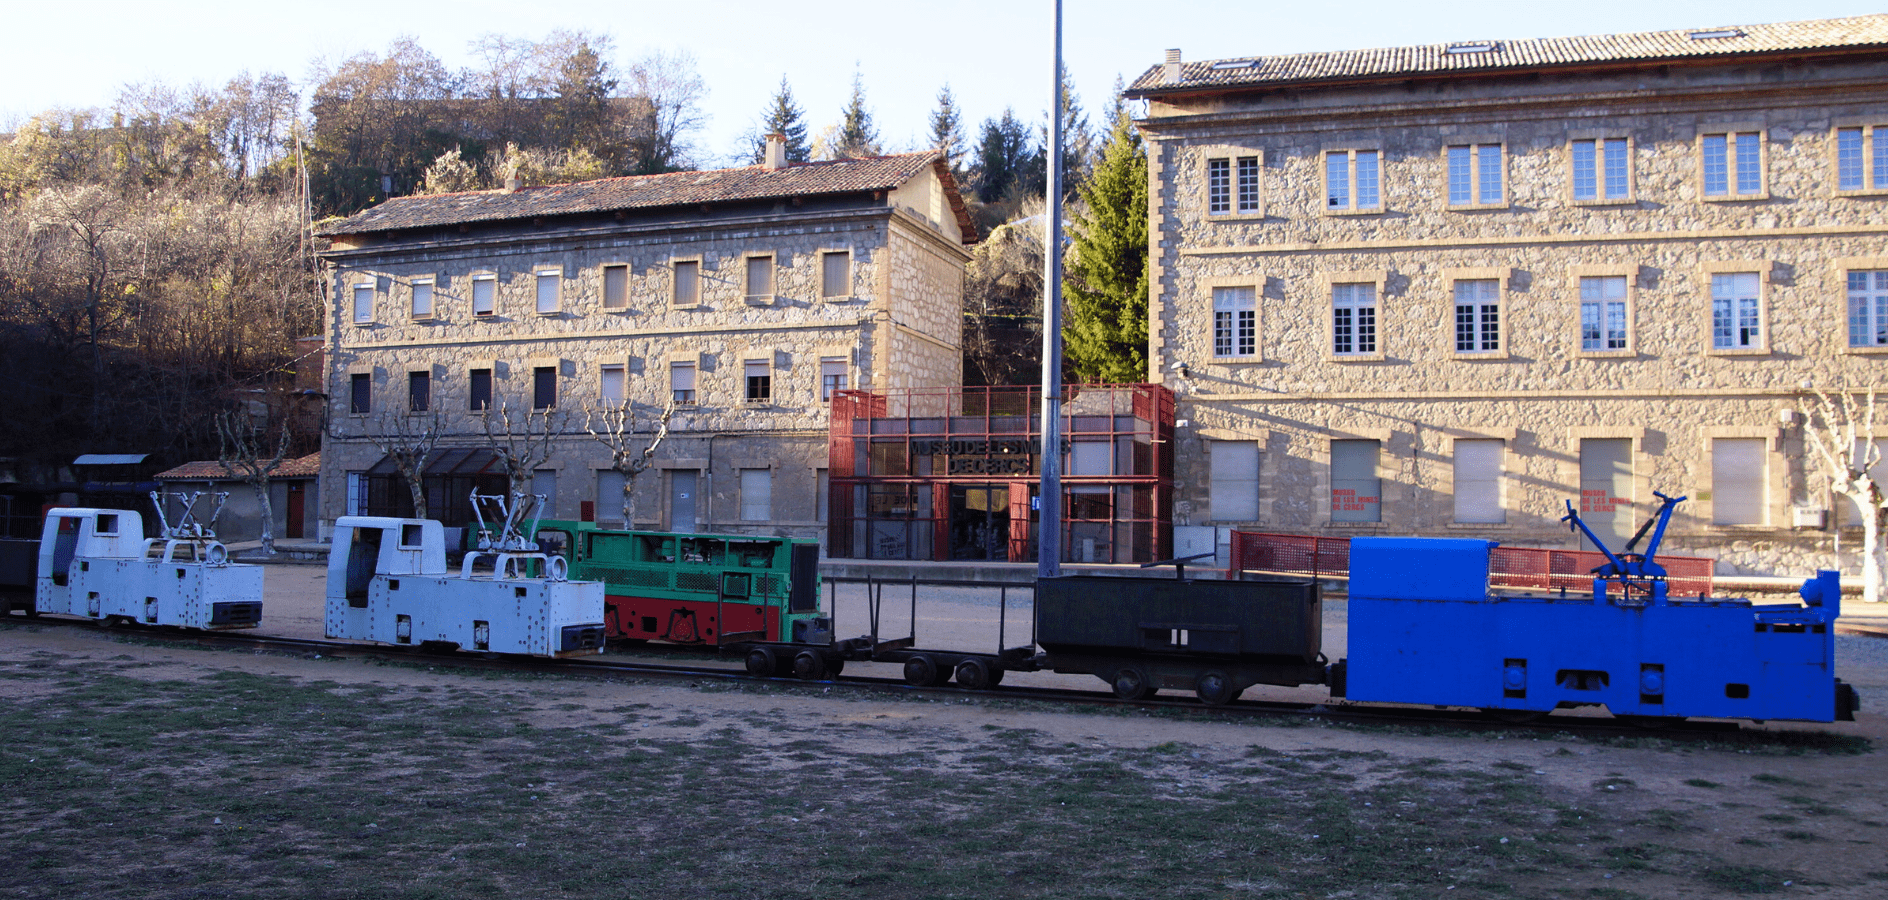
(1492, 241)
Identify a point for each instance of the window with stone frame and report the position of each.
(682, 382)
(1603, 313)
(1477, 175)
(1352, 181)
(1477, 315)
(613, 384)
(1861, 159)
(1235, 322)
(550, 284)
(1731, 164)
(421, 302)
(1868, 308)
(360, 398)
(758, 377)
(1736, 311)
(616, 287)
(686, 289)
(1232, 185)
(1737, 481)
(757, 495)
(419, 391)
(835, 274)
(485, 295)
(1601, 170)
(1233, 480)
(364, 303)
(1477, 469)
(479, 390)
(760, 279)
(1353, 319)
(543, 387)
(832, 376)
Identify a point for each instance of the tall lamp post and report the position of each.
(1049, 495)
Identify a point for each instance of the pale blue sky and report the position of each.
(994, 53)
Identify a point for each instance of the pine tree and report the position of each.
(784, 117)
(857, 136)
(947, 131)
(1004, 158)
(1105, 290)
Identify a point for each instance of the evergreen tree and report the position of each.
(857, 135)
(1105, 290)
(1004, 158)
(1078, 145)
(784, 117)
(947, 131)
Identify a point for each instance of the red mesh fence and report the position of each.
(1508, 567)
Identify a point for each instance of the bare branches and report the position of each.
(1842, 431)
(407, 439)
(521, 445)
(620, 435)
(245, 455)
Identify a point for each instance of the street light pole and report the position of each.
(1049, 529)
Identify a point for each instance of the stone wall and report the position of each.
(1671, 392)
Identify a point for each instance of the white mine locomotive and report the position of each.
(97, 563)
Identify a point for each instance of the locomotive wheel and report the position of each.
(1131, 683)
(834, 666)
(809, 665)
(920, 671)
(1515, 716)
(761, 662)
(1214, 689)
(974, 675)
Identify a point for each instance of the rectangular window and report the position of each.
(687, 287)
(615, 384)
(610, 499)
(682, 382)
(760, 380)
(485, 295)
(544, 485)
(550, 283)
(422, 298)
(1599, 170)
(479, 389)
(616, 287)
(1603, 312)
(363, 304)
(1737, 482)
(835, 275)
(1735, 312)
(1861, 159)
(1477, 315)
(1235, 321)
(1733, 164)
(543, 387)
(1868, 308)
(1353, 319)
(832, 376)
(757, 495)
(1478, 482)
(360, 398)
(760, 279)
(1232, 183)
(1475, 175)
(1233, 480)
(419, 391)
(1356, 491)
(1351, 181)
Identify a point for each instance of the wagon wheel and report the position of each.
(761, 662)
(1215, 689)
(809, 665)
(1131, 683)
(920, 671)
(974, 674)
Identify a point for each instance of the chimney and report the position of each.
(1170, 73)
(513, 182)
(776, 157)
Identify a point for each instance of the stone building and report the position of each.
(1445, 289)
(746, 295)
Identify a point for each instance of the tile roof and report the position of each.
(209, 469)
(1533, 53)
(747, 183)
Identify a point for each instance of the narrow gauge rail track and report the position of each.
(604, 668)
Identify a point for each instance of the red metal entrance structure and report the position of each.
(951, 473)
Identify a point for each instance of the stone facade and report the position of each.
(863, 281)
(1260, 186)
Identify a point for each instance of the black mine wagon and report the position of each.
(1213, 637)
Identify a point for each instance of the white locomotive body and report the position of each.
(96, 563)
(388, 582)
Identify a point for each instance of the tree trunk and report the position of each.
(419, 496)
(268, 515)
(629, 501)
(1872, 553)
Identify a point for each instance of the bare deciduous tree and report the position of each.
(521, 445)
(1842, 431)
(620, 434)
(246, 455)
(407, 439)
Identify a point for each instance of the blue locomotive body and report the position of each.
(1424, 628)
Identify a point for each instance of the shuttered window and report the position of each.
(1356, 491)
(757, 495)
(1233, 480)
(1737, 494)
(1478, 482)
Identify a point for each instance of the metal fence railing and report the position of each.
(1508, 567)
